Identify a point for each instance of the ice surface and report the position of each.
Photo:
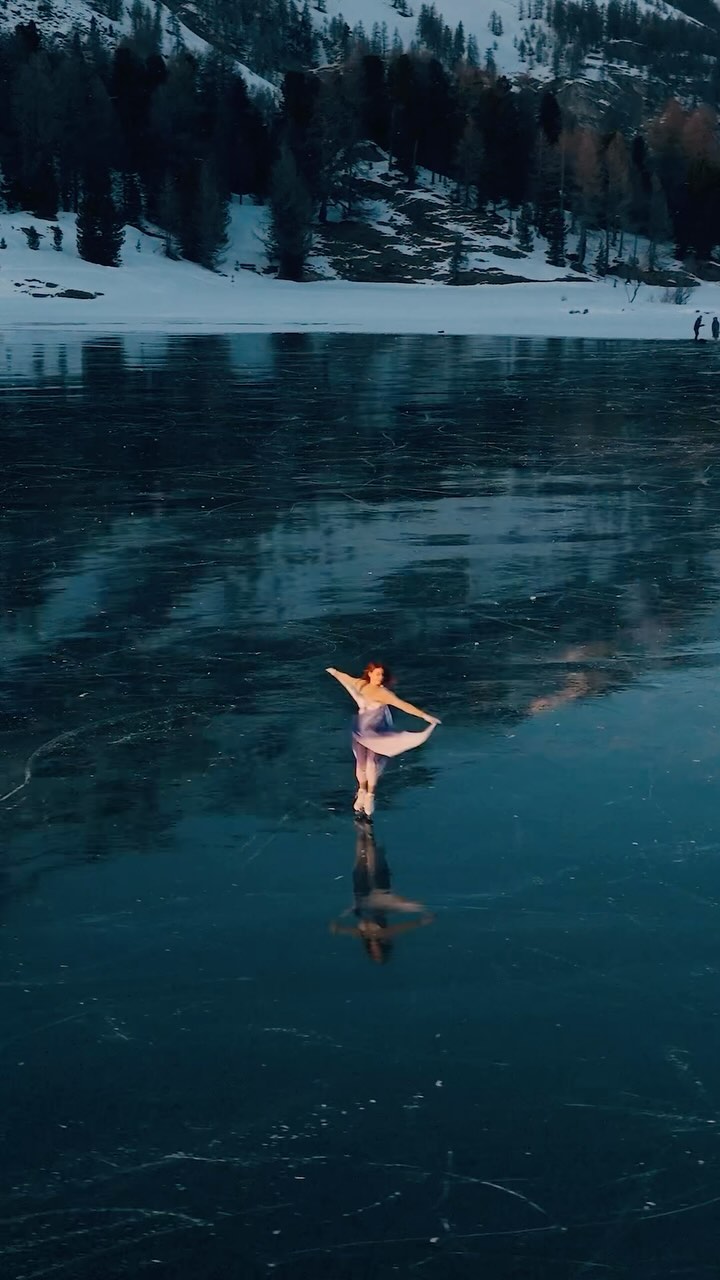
(207, 1071)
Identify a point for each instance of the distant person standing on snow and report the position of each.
(697, 327)
(715, 328)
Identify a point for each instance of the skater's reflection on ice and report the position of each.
(583, 683)
(375, 908)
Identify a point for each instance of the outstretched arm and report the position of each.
(348, 682)
(407, 925)
(409, 708)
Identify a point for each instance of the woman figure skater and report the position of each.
(374, 737)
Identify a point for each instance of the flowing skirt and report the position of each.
(375, 738)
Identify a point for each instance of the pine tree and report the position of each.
(640, 187)
(550, 118)
(290, 235)
(300, 40)
(601, 258)
(524, 229)
(659, 224)
(470, 156)
(32, 235)
(100, 231)
(146, 30)
(57, 239)
(175, 34)
(157, 27)
(556, 238)
(334, 137)
(616, 188)
(95, 46)
(587, 186)
(36, 128)
(132, 205)
(169, 218)
(550, 176)
(211, 219)
(404, 88)
(28, 37)
(458, 260)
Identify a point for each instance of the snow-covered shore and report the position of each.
(148, 292)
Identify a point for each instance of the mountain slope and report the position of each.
(475, 15)
(513, 33)
(521, 27)
(59, 17)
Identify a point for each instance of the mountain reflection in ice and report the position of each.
(203, 1073)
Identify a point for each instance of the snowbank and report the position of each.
(150, 293)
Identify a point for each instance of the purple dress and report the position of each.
(373, 732)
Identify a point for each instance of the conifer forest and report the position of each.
(121, 134)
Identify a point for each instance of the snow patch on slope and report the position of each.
(62, 16)
(475, 16)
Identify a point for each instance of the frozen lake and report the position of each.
(205, 1073)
